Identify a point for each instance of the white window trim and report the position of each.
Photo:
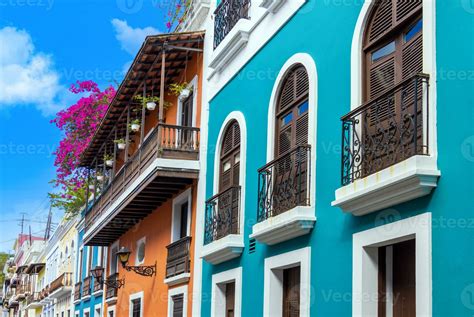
(79, 264)
(98, 306)
(193, 85)
(177, 202)
(137, 244)
(272, 284)
(240, 118)
(117, 245)
(176, 291)
(111, 309)
(138, 295)
(89, 255)
(365, 269)
(87, 310)
(218, 298)
(77, 313)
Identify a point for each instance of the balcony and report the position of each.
(33, 301)
(178, 262)
(149, 168)
(226, 16)
(77, 291)
(98, 288)
(86, 287)
(284, 210)
(385, 150)
(111, 292)
(60, 286)
(222, 237)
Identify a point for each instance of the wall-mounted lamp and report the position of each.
(146, 270)
(98, 274)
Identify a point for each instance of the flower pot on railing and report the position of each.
(120, 144)
(151, 105)
(185, 93)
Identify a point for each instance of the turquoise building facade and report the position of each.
(348, 222)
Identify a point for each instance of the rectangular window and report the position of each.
(230, 299)
(97, 312)
(291, 292)
(86, 314)
(178, 305)
(136, 307)
(183, 229)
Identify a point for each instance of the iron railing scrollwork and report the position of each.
(222, 215)
(226, 16)
(178, 259)
(284, 183)
(386, 130)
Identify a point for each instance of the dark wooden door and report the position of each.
(178, 305)
(291, 292)
(404, 279)
(183, 226)
(229, 299)
(187, 121)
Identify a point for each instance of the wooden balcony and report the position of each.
(98, 287)
(111, 292)
(86, 287)
(61, 285)
(144, 183)
(178, 260)
(77, 291)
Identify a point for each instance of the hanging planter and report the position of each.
(100, 177)
(182, 90)
(109, 161)
(120, 144)
(135, 125)
(91, 187)
(151, 105)
(185, 93)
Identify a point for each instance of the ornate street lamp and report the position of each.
(98, 274)
(146, 270)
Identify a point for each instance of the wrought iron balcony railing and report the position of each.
(178, 260)
(226, 16)
(386, 130)
(111, 292)
(222, 215)
(167, 141)
(86, 286)
(64, 279)
(284, 183)
(77, 291)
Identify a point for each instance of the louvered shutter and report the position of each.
(178, 303)
(382, 20)
(230, 157)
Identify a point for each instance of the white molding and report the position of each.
(364, 265)
(240, 118)
(156, 165)
(137, 295)
(429, 62)
(111, 309)
(273, 292)
(193, 84)
(98, 306)
(176, 291)
(308, 62)
(137, 245)
(86, 310)
(293, 223)
(218, 296)
(224, 249)
(178, 279)
(415, 177)
(179, 200)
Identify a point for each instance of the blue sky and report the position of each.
(45, 45)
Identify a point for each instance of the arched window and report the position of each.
(292, 111)
(393, 45)
(230, 157)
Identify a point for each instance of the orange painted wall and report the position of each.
(156, 227)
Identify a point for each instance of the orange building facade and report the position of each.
(143, 178)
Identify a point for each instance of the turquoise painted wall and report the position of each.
(324, 29)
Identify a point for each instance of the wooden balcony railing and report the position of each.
(178, 260)
(98, 286)
(284, 183)
(386, 130)
(86, 286)
(64, 279)
(111, 292)
(222, 215)
(226, 16)
(77, 291)
(168, 141)
(33, 298)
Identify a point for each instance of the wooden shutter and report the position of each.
(291, 292)
(178, 304)
(229, 299)
(230, 157)
(381, 19)
(404, 279)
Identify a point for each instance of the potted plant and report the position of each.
(181, 90)
(91, 187)
(135, 125)
(120, 144)
(148, 102)
(109, 160)
(100, 177)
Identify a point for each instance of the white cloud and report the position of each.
(26, 76)
(130, 38)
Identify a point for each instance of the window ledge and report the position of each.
(404, 181)
(235, 41)
(111, 301)
(178, 279)
(86, 298)
(98, 293)
(288, 225)
(224, 249)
